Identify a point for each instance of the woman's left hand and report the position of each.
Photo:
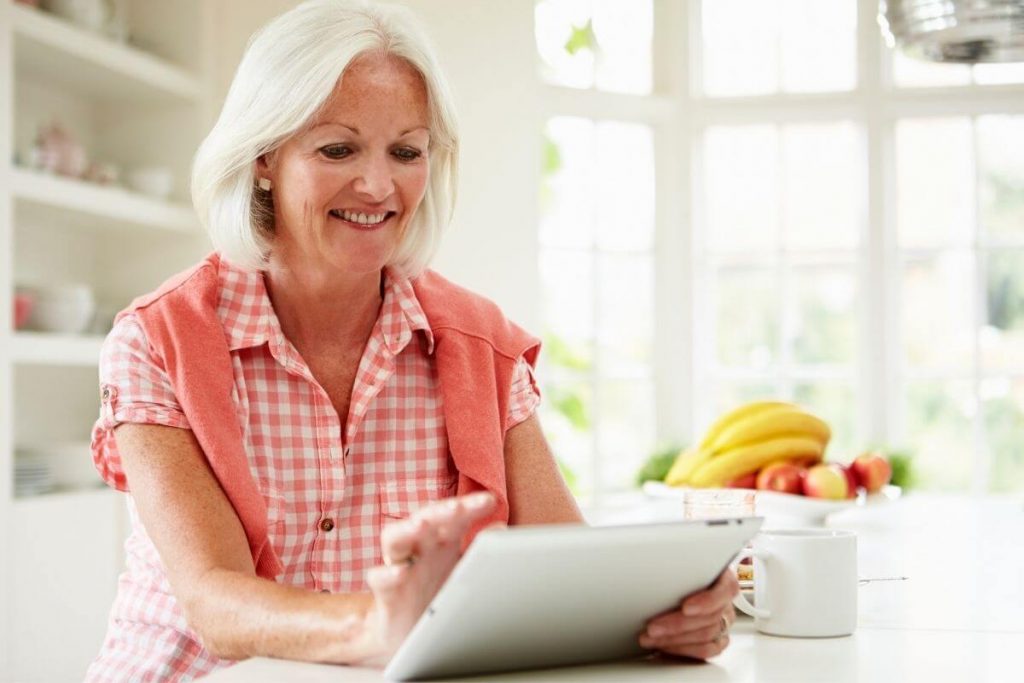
(700, 628)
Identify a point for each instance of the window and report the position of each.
(833, 223)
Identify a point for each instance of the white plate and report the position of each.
(787, 507)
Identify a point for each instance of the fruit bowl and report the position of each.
(787, 509)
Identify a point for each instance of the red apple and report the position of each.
(784, 477)
(747, 481)
(851, 481)
(826, 481)
(872, 470)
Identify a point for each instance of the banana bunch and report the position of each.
(746, 439)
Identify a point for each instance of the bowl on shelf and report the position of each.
(62, 309)
(153, 181)
(33, 474)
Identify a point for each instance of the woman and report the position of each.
(311, 425)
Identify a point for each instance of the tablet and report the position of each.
(543, 596)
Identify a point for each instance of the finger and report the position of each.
(730, 614)
(382, 579)
(676, 622)
(715, 598)
(702, 651)
(400, 540)
(704, 634)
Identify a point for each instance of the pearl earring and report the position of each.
(265, 184)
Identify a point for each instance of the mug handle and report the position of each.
(740, 602)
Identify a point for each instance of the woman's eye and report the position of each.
(335, 151)
(407, 154)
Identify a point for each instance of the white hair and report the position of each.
(289, 71)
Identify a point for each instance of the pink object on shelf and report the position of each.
(22, 309)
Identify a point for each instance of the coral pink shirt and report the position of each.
(325, 506)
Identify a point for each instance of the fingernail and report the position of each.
(657, 631)
(692, 610)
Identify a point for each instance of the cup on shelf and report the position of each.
(23, 303)
(62, 309)
(154, 181)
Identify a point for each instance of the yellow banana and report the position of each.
(737, 462)
(742, 412)
(772, 423)
(685, 464)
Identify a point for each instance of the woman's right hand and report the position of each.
(419, 554)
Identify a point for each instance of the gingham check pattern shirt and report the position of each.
(326, 506)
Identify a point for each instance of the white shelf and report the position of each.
(48, 199)
(51, 49)
(40, 348)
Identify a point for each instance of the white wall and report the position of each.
(486, 49)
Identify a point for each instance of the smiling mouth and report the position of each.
(365, 221)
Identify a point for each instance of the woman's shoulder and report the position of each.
(199, 281)
(450, 307)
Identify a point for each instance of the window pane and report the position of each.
(835, 403)
(1002, 338)
(819, 42)
(567, 290)
(741, 187)
(567, 415)
(940, 430)
(1001, 176)
(625, 431)
(755, 47)
(937, 311)
(1003, 406)
(908, 72)
(566, 47)
(626, 313)
(623, 31)
(935, 182)
(823, 185)
(607, 43)
(728, 395)
(747, 317)
(625, 192)
(740, 47)
(568, 213)
(825, 300)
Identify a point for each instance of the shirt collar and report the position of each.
(249, 318)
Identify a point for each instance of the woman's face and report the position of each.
(345, 188)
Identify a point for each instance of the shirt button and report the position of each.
(327, 524)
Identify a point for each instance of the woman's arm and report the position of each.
(204, 549)
(537, 494)
(238, 614)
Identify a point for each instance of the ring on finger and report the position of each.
(410, 561)
(724, 631)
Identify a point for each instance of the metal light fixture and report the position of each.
(959, 31)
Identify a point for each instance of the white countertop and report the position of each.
(958, 617)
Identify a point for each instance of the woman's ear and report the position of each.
(264, 171)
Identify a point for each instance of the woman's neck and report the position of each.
(323, 307)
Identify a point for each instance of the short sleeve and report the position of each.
(134, 388)
(525, 396)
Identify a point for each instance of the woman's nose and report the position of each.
(374, 180)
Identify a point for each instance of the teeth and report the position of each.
(362, 218)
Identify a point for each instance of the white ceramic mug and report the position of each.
(805, 583)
